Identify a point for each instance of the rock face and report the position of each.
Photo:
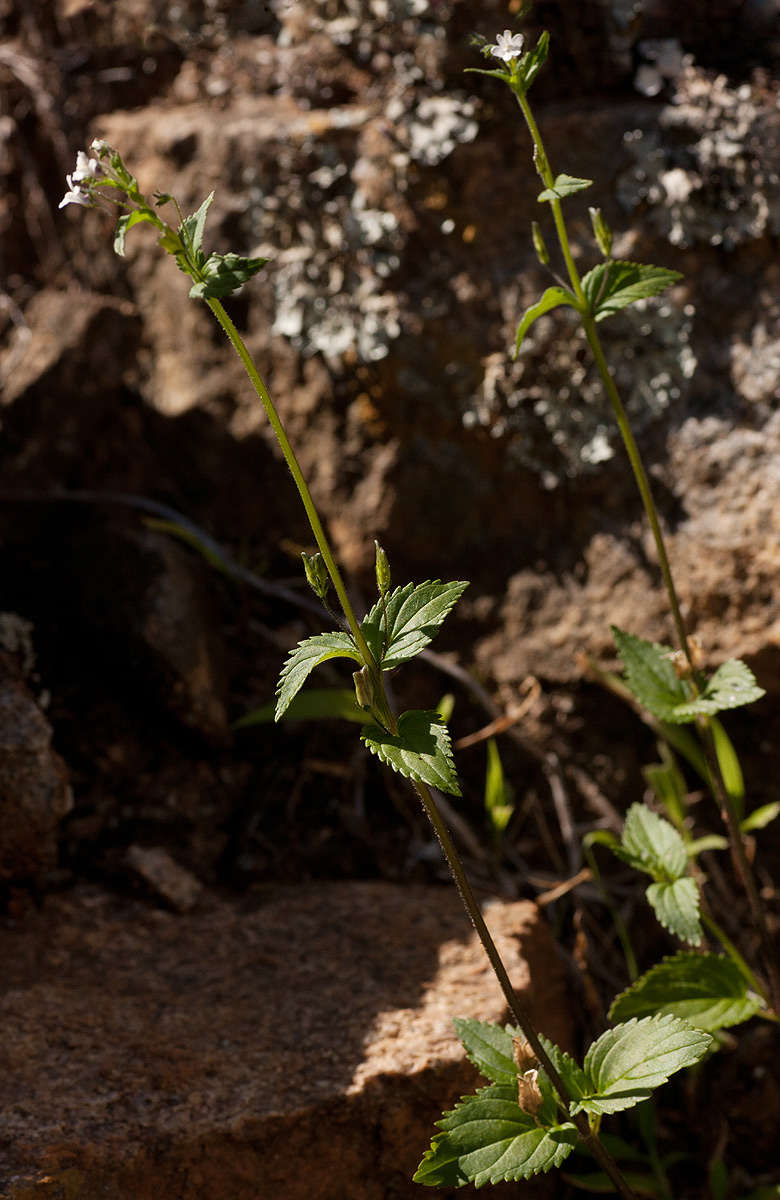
(299, 1044)
(34, 790)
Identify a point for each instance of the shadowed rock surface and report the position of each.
(296, 1044)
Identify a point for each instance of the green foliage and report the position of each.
(601, 231)
(223, 274)
(419, 751)
(728, 762)
(707, 990)
(488, 1138)
(652, 679)
(676, 905)
(315, 704)
(761, 817)
(489, 1047)
(126, 223)
(668, 785)
(304, 658)
(554, 297)
(193, 227)
(627, 1063)
(563, 186)
(615, 284)
(652, 845)
(499, 802)
(317, 575)
(382, 570)
(414, 614)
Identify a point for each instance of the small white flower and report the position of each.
(99, 147)
(75, 194)
(86, 168)
(508, 46)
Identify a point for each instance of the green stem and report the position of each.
(718, 786)
(456, 866)
(734, 955)
(516, 1007)
(295, 470)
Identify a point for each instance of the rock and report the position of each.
(296, 1044)
(34, 790)
(160, 871)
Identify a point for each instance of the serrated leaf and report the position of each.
(615, 284)
(193, 227)
(420, 750)
(224, 274)
(761, 817)
(487, 1138)
(554, 297)
(706, 990)
(575, 1079)
(676, 905)
(626, 1064)
(315, 704)
(415, 613)
(653, 844)
(489, 1047)
(304, 658)
(564, 185)
(650, 675)
(732, 685)
(127, 221)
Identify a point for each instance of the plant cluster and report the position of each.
(539, 1103)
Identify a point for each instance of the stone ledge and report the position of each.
(297, 1043)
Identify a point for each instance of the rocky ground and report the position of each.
(393, 194)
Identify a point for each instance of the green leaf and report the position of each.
(499, 804)
(571, 1073)
(650, 675)
(676, 905)
(304, 658)
(489, 1047)
(415, 613)
(554, 297)
(224, 273)
(627, 1063)
(709, 841)
(668, 785)
(732, 685)
(316, 704)
(653, 845)
(564, 185)
(729, 765)
(615, 284)
(487, 1138)
(706, 990)
(127, 221)
(420, 750)
(193, 227)
(760, 817)
(532, 62)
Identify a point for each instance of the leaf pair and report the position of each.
(652, 845)
(653, 680)
(488, 1138)
(396, 629)
(609, 287)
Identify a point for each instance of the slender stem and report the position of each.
(516, 1007)
(716, 778)
(742, 864)
(733, 954)
(297, 474)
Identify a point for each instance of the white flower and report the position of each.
(508, 46)
(98, 146)
(86, 168)
(76, 194)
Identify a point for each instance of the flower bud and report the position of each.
(364, 688)
(382, 567)
(601, 231)
(540, 247)
(316, 573)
